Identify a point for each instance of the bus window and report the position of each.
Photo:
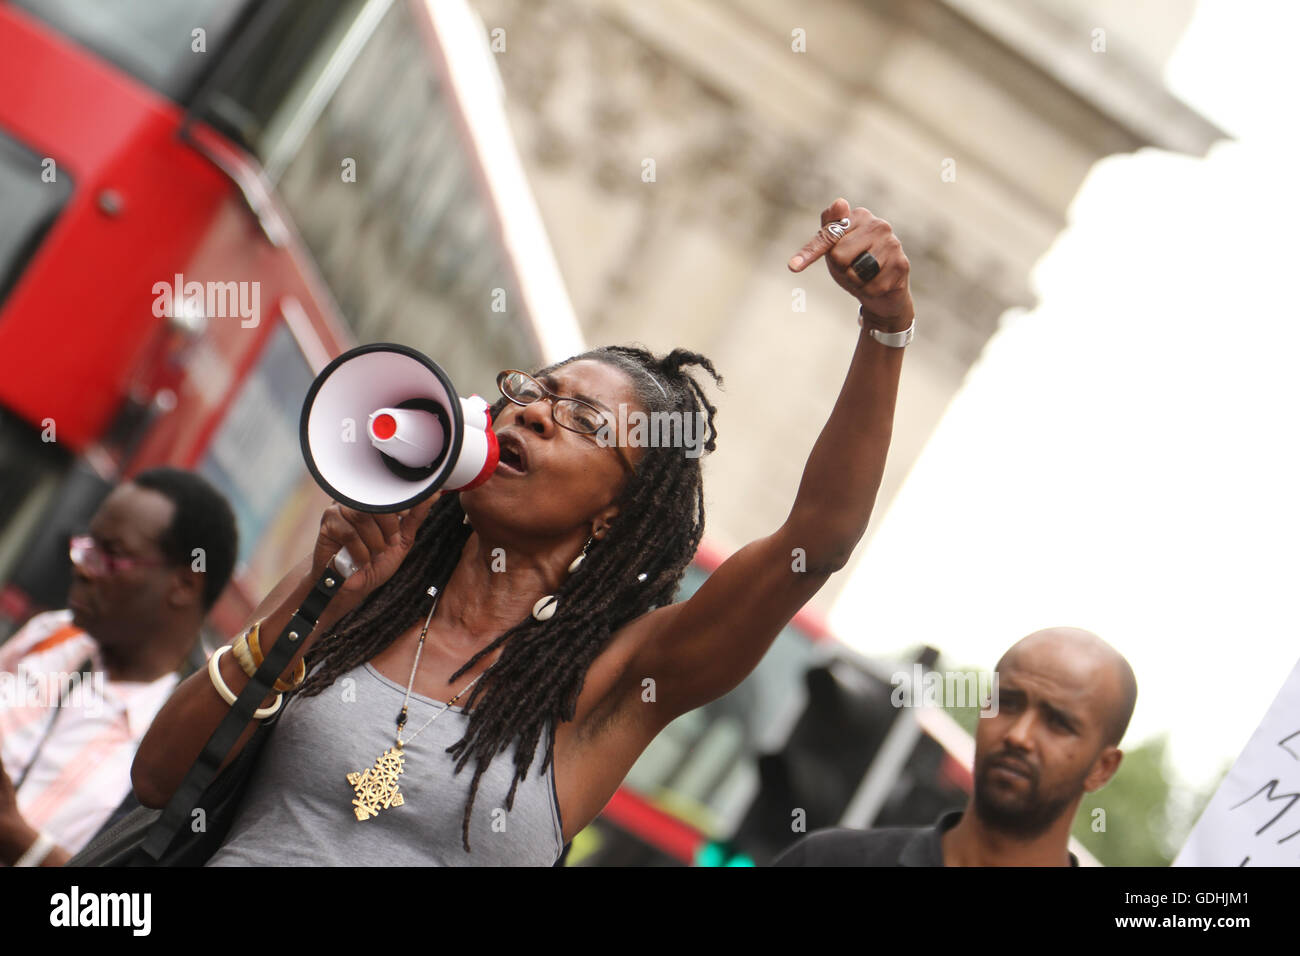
(31, 200)
(153, 40)
(359, 134)
(703, 765)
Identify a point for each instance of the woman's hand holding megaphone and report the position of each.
(376, 543)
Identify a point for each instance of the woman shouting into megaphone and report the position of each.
(483, 682)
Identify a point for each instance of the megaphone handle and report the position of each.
(344, 563)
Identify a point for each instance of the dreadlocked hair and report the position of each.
(636, 567)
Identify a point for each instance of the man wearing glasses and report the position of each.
(83, 684)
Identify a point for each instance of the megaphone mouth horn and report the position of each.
(336, 429)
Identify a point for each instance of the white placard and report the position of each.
(1254, 817)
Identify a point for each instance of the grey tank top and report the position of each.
(297, 810)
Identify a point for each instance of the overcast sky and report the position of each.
(1124, 458)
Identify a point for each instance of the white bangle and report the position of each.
(895, 340)
(214, 674)
(35, 854)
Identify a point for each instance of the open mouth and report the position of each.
(512, 458)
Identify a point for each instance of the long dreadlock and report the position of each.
(636, 567)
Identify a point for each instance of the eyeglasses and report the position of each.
(570, 413)
(89, 555)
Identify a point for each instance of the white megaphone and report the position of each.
(382, 429)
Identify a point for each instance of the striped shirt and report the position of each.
(73, 782)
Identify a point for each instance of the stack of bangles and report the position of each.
(249, 655)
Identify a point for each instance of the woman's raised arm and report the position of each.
(700, 648)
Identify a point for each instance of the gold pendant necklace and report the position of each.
(376, 788)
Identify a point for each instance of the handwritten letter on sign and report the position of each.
(1254, 817)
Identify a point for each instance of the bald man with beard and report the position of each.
(1065, 697)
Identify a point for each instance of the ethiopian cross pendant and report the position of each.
(376, 788)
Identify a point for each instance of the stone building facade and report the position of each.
(680, 151)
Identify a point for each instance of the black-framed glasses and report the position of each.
(572, 414)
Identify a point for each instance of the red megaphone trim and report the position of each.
(493, 456)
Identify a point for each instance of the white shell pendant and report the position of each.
(545, 607)
(576, 562)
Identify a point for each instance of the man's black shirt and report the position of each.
(889, 846)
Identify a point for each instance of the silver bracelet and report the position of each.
(36, 853)
(895, 340)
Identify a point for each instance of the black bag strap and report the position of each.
(204, 769)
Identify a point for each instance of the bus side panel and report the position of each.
(73, 327)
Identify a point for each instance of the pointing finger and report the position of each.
(820, 243)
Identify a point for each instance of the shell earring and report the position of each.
(577, 562)
(545, 607)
